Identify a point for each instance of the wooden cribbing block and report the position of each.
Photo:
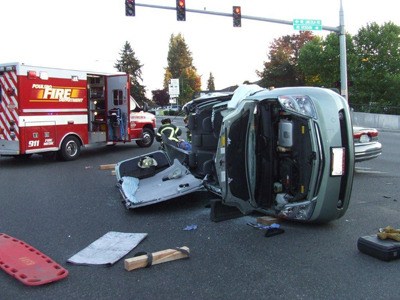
(267, 220)
(107, 167)
(158, 258)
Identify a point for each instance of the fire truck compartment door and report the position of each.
(118, 107)
(40, 136)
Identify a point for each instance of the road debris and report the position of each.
(108, 249)
(190, 227)
(149, 259)
(107, 167)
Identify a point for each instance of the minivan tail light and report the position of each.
(338, 161)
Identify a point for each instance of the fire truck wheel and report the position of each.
(147, 138)
(70, 148)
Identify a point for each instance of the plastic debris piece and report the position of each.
(190, 227)
(260, 226)
(257, 226)
(275, 225)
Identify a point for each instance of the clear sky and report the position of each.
(89, 34)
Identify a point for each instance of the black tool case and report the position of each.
(382, 249)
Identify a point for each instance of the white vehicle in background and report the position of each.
(174, 107)
(366, 144)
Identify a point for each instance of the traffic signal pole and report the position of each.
(254, 18)
(340, 30)
(343, 55)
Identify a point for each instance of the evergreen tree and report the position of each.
(210, 83)
(180, 65)
(129, 64)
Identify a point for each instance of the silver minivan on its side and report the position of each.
(286, 152)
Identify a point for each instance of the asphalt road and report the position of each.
(62, 207)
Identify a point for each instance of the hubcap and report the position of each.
(71, 148)
(146, 138)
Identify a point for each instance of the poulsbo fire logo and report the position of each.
(49, 93)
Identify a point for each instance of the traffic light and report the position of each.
(180, 10)
(237, 16)
(130, 8)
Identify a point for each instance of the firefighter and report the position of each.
(170, 130)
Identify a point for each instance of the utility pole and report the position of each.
(340, 30)
(343, 55)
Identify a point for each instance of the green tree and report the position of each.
(310, 58)
(282, 68)
(180, 65)
(373, 65)
(210, 83)
(376, 74)
(129, 64)
(319, 60)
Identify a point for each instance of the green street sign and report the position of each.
(307, 24)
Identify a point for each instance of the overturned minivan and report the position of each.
(286, 152)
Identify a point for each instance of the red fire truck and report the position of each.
(50, 110)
